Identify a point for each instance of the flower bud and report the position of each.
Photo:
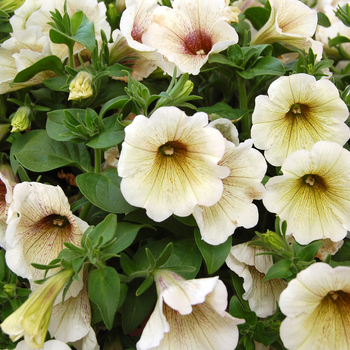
(9, 289)
(274, 240)
(10, 5)
(32, 318)
(80, 87)
(21, 119)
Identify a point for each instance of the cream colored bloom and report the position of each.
(19, 19)
(313, 194)
(292, 22)
(48, 345)
(261, 296)
(80, 87)
(189, 32)
(317, 306)
(298, 112)
(189, 315)
(243, 185)
(169, 162)
(329, 247)
(21, 119)
(94, 11)
(21, 51)
(40, 221)
(32, 318)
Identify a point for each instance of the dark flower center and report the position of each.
(197, 43)
(172, 148)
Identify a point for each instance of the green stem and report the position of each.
(85, 211)
(71, 56)
(246, 121)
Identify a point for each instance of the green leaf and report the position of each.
(106, 229)
(238, 286)
(51, 63)
(36, 151)
(343, 253)
(57, 84)
(127, 264)
(86, 36)
(223, 110)
(307, 253)
(264, 66)
(103, 190)
(136, 308)
(112, 134)
(165, 255)
(258, 16)
(126, 234)
(115, 103)
(145, 285)
(104, 290)
(236, 310)
(214, 255)
(280, 269)
(323, 20)
(338, 40)
(76, 20)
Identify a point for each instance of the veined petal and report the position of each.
(169, 163)
(243, 185)
(313, 195)
(39, 222)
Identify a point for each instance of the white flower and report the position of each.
(243, 185)
(317, 306)
(313, 194)
(261, 296)
(189, 32)
(169, 162)
(19, 19)
(189, 315)
(48, 345)
(22, 50)
(292, 22)
(298, 112)
(39, 222)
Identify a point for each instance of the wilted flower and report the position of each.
(32, 318)
(329, 247)
(292, 22)
(80, 87)
(298, 112)
(21, 119)
(169, 162)
(317, 306)
(40, 221)
(189, 32)
(243, 185)
(261, 296)
(189, 315)
(313, 194)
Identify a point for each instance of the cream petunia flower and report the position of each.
(22, 50)
(243, 185)
(313, 194)
(189, 315)
(292, 22)
(298, 112)
(189, 32)
(261, 296)
(94, 11)
(169, 162)
(48, 345)
(317, 306)
(39, 222)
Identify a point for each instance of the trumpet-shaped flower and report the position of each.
(32, 318)
(189, 32)
(298, 112)
(243, 185)
(292, 22)
(317, 306)
(40, 221)
(261, 296)
(169, 162)
(189, 315)
(313, 194)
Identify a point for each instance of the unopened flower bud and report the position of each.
(120, 4)
(274, 240)
(9, 289)
(10, 5)
(80, 87)
(21, 120)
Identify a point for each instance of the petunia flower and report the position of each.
(189, 315)
(187, 34)
(317, 304)
(313, 194)
(169, 162)
(329, 247)
(48, 345)
(243, 185)
(292, 22)
(298, 112)
(245, 262)
(40, 221)
(32, 318)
